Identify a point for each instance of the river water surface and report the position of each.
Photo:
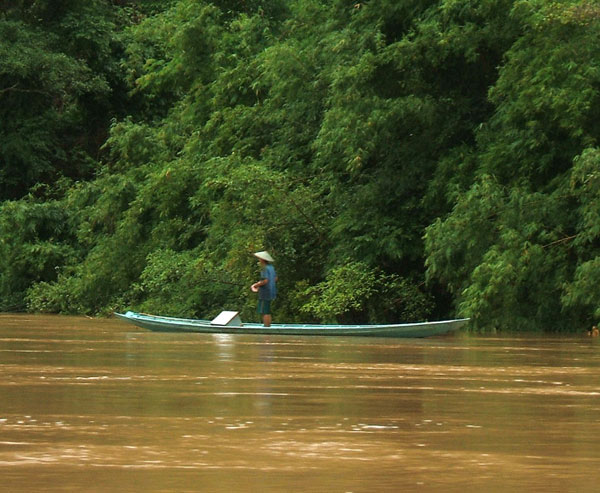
(101, 406)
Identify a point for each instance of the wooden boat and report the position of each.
(170, 324)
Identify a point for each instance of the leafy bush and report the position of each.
(355, 293)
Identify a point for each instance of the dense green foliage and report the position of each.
(522, 239)
(60, 82)
(401, 159)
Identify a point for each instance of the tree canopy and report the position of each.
(401, 159)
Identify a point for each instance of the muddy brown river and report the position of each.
(97, 405)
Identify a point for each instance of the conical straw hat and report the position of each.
(264, 256)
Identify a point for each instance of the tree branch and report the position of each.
(562, 240)
(16, 89)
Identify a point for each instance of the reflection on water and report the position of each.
(98, 405)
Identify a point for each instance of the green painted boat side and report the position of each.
(409, 330)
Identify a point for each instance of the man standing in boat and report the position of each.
(266, 287)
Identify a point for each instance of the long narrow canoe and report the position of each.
(170, 324)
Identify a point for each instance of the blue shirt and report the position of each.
(269, 290)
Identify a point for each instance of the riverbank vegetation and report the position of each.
(400, 159)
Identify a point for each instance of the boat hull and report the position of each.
(410, 330)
